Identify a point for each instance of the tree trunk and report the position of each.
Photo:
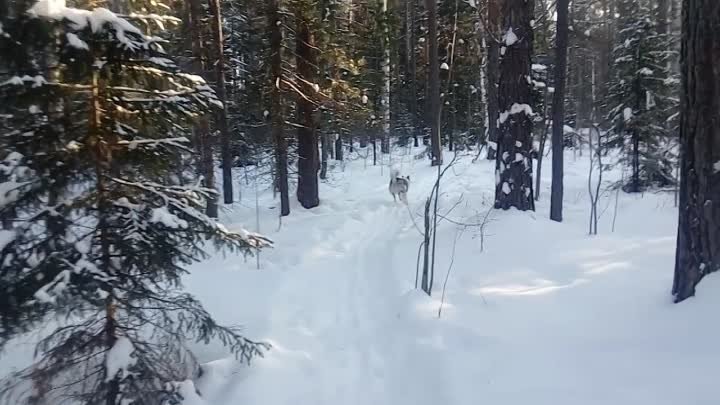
(433, 81)
(325, 151)
(412, 60)
(387, 78)
(482, 53)
(339, 147)
(558, 114)
(493, 68)
(225, 151)
(541, 149)
(698, 242)
(635, 184)
(308, 156)
(513, 165)
(276, 114)
(662, 16)
(201, 128)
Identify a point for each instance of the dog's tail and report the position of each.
(394, 173)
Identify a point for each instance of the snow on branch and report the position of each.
(515, 109)
(183, 200)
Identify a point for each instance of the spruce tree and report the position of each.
(103, 217)
(642, 104)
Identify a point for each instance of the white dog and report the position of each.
(399, 185)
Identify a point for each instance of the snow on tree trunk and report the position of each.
(698, 242)
(513, 166)
(308, 155)
(558, 114)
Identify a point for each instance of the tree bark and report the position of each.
(276, 114)
(339, 147)
(225, 151)
(201, 128)
(662, 16)
(698, 242)
(387, 78)
(558, 113)
(412, 61)
(493, 68)
(308, 156)
(325, 152)
(433, 81)
(514, 185)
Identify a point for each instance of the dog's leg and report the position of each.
(394, 199)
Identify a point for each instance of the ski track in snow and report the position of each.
(353, 322)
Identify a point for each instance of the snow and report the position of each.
(538, 67)
(510, 38)
(567, 320)
(9, 191)
(76, 42)
(6, 237)
(444, 66)
(96, 19)
(627, 114)
(506, 188)
(188, 393)
(163, 216)
(716, 167)
(515, 109)
(47, 8)
(36, 81)
(119, 359)
(645, 72)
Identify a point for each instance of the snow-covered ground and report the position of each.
(544, 314)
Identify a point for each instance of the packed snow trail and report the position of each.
(543, 315)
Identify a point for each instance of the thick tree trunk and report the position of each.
(225, 151)
(308, 156)
(513, 167)
(558, 113)
(276, 114)
(433, 81)
(698, 242)
(493, 69)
